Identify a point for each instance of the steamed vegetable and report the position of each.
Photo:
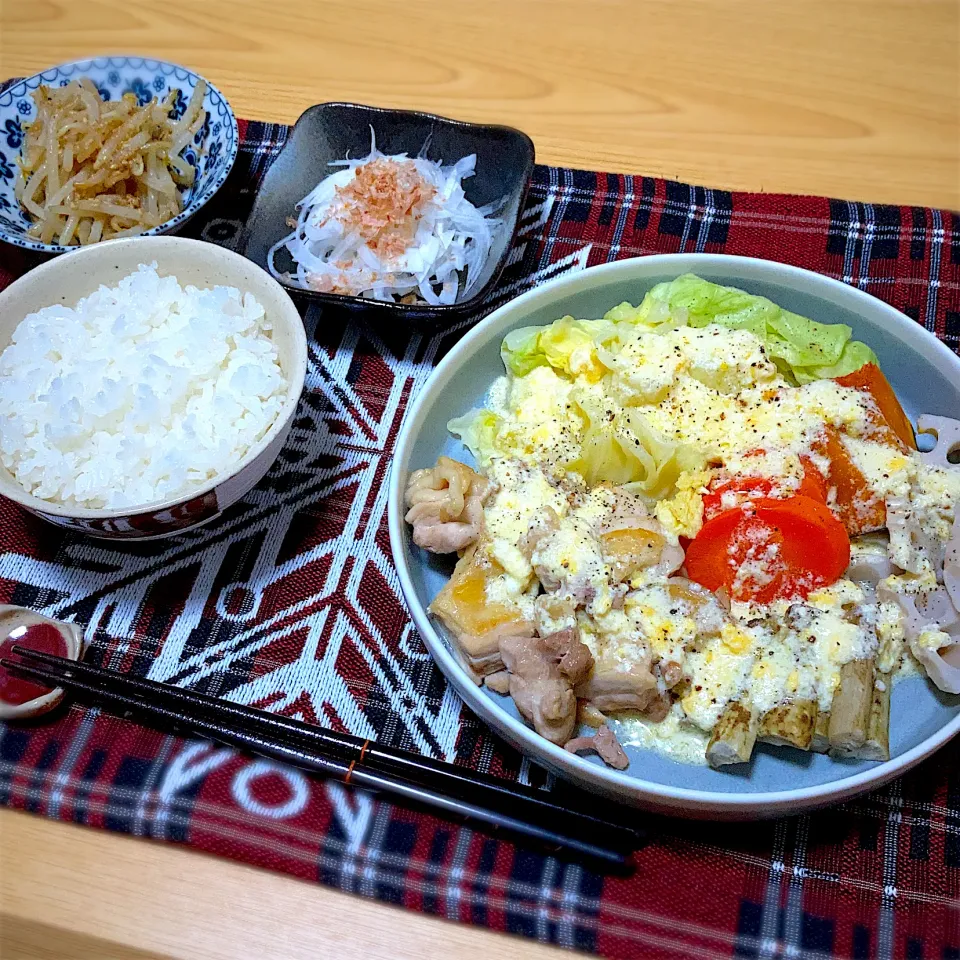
(567, 345)
(627, 451)
(803, 349)
(740, 490)
(859, 506)
(621, 447)
(477, 429)
(768, 549)
(871, 380)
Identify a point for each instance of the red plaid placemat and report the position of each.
(290, 601)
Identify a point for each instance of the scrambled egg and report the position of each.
(682, 514)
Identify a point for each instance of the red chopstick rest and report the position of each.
(21, 698)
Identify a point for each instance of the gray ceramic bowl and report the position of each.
(67, 279)
(926, 376)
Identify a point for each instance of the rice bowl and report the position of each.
(175, 409)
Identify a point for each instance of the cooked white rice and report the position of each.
(143, 392)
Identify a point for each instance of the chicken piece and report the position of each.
(589, 715)
(658, 708)
(498, 682)
(553, 612)
(543, 673)
(545, 523)
(477, 624)
(671, 673)
(480, 653)
(604, 744)
(571, 485)
(627, 512)
(612, 687)
(574, 659)
(671, 559)
(569, 561)
(633, 540)
(706, 608)
(628, 551)
(445, 506)
(575, 561)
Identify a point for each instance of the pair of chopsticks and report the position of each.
(484, 799)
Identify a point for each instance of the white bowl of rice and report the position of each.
(146, 385)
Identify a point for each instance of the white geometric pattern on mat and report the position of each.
(111, 582)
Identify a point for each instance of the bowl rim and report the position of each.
(682, 800)
(413, 310)
(294, 391)
(196, 203)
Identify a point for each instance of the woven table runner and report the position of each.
(290, 602)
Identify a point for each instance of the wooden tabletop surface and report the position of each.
(851, 98)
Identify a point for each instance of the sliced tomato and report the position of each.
(770, 549)
(760, 488)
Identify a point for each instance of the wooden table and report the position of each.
(854, 98)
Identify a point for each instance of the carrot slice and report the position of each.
(870, 379)
(860, 508)
(756, 488)
(770, 549)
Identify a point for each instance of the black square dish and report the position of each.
(333, 131)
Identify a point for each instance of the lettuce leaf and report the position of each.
(625, 313)
(803, 349)
(566, 345)
(628, 451)
(696, 303)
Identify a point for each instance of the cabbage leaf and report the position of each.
(628, 452)
(477, 430)
(803, 349)
(567, 345)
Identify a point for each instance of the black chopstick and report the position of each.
(513, 807)
(434, 774)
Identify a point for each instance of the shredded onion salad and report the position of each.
(390, 228)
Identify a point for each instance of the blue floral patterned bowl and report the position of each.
(213, 150)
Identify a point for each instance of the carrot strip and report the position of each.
(870, 379)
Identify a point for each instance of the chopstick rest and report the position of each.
(20, 698)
